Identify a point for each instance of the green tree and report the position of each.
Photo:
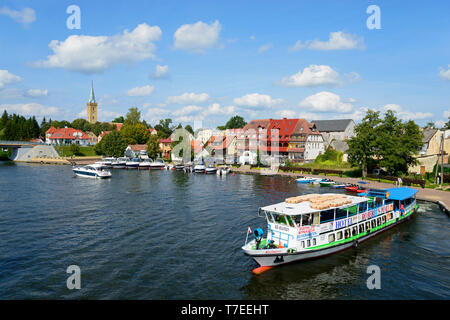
(133, 117)
(75, 149)
(364, 145)
(135, 134)
(189, 128)
(153, 149)
(113, 144)
(79, 123)
(119, 120)
(164, 128)
(447, 125)
(235, 122)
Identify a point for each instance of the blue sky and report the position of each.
(258, 59)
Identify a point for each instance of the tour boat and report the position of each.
(211, 169)
(92, 171)
(133, 163)
(157, 164)
(119, 163)
(316, 225)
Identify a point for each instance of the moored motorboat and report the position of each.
(316, 225)
(179, 166)
(200, 168)
(92, 171)
(211, 169)
(306, 180)
(119, 163)
(158, 164)
(145, 164)
(326, 183)
(133, 163)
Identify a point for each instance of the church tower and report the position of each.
(92, 107)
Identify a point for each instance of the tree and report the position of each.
(153, 149)
(79, 123)
(75, 149)
(164, 128)
(364, 145)
(430, 125)
(189, 129)
(119, 120)
(135, 134)
(133, 117)
(113, 144)
(235, 122)
(447, 125)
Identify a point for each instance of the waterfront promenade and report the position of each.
(442, 198)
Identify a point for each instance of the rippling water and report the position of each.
(169, 235)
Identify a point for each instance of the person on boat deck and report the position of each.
(402, 209)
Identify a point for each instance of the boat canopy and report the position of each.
(304, 207)
(401, 193)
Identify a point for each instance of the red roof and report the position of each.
(138, 147)
(104, 133)
(51, 130)
(165, 140)
(118, 125)
(151, 131)
(222, 142)
(67, 133)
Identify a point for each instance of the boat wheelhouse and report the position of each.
(315, 225)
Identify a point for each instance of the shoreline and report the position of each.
(441, 198)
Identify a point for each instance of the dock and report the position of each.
(441, 198)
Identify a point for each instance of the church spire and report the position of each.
(92, 98)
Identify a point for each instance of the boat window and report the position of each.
(361, 228)
(279, 218)
(341, 213)
(367, 225)
(308, 243)
(303, 244)
(373, 223)
(372, 204)
(339, 235)
(378, 221)
(354, 231)
(347, 233)
(306, 219)
(331, 237)
(383, 219)
(269, 216)
(326, 215)
(289, 221)
(352, 210)
(314, 242)
(362, 206)
(297, 220)
(316, 218)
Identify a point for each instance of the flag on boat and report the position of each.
(249, 230)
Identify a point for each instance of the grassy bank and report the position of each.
(86, 151)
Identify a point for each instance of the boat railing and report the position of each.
(282, 236)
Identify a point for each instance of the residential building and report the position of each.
(136, 151)
(335, 133)
(165, 145)
(66, 136)
(430, 153)
(305, 142)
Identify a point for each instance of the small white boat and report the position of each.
(146, 164)
(157, 164)
(211, 169)
(306, 180)
(119, 163)
(92, 171)
(133, 163)
(223, 171)
(200, 168)
(179, 166)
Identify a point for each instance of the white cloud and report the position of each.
(338, 41)
(24, 16)
(161, 72)
(188, 98)
(446, 113)
(444, 74)
(30, 109)
(141, 91)
(95, 54)
(256, 100)
(187, 110)
(406, 115)
(6, 78)
(312, 76)
(216, 109)
(287, 114)
(265, 47)
(37, 93)
(326, 102)
(197, 37)
(155, 114)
